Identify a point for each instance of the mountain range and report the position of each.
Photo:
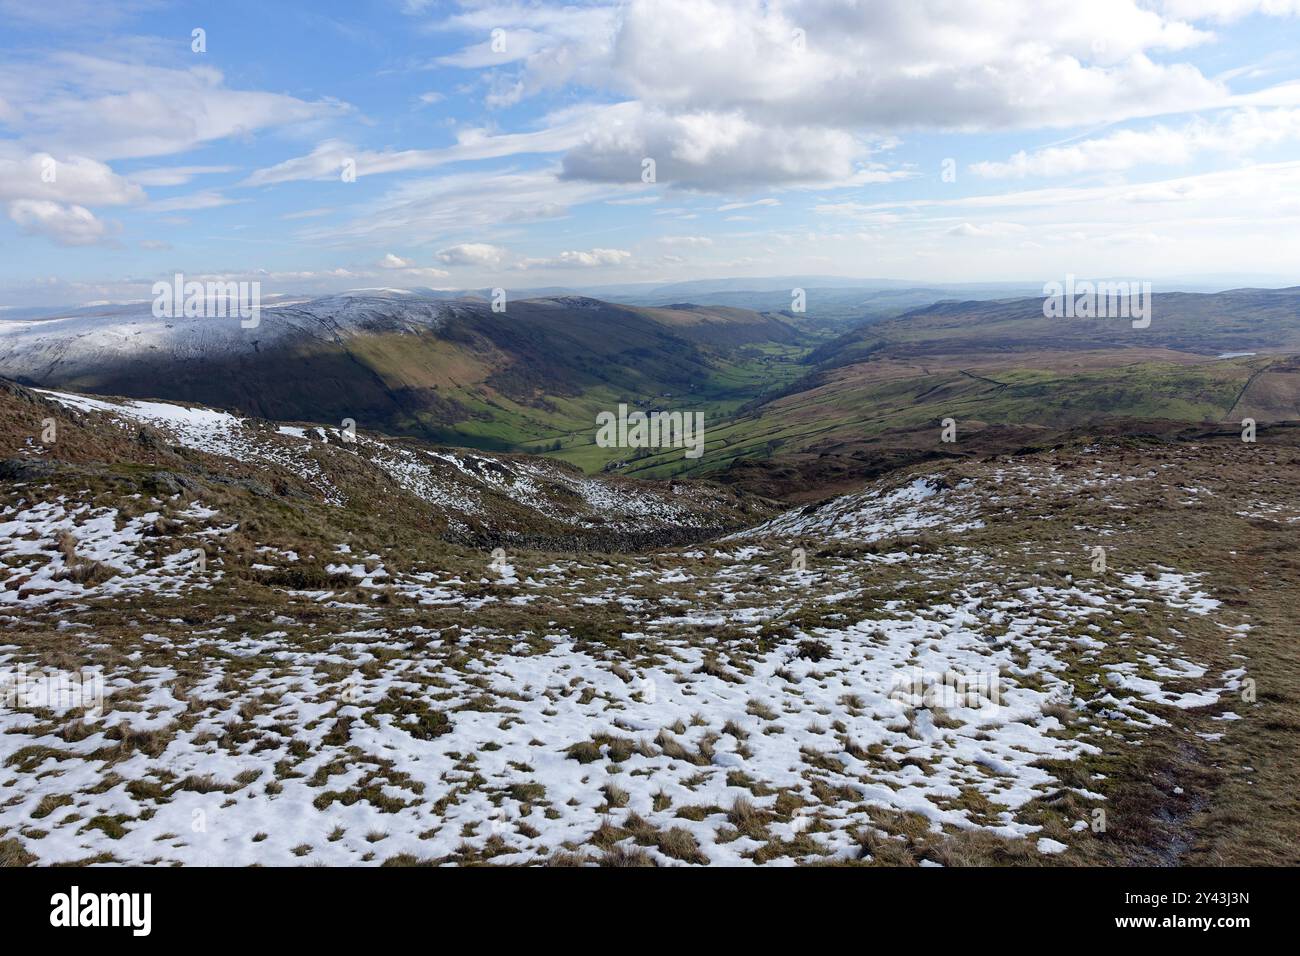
(780, 393)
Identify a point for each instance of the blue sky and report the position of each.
(914, 139)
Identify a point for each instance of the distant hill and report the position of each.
(830, 305)
(1241, 320)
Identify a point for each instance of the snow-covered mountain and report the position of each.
(89, 342)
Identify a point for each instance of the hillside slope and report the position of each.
(407, 363)
(453, 494)
(295, 640)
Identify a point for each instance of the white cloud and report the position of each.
(1235, 133)
(506, 46)
(472, 254)
(547, 46)
(326, 160)
(206, 199)
(408, 269)
(686, 240)
(710, 151)
(74, 179)
(68, 225)
(48, 197)
(727, 207)
(723, 96)
(590, 259)
(633, 201)
(114, 109)
(986, 230)
(908, 63)
(1259, 181)
(453, 205)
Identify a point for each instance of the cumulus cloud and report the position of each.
(49, 197)
(909, 63)
(482, 255)
(472, 254)
(710, 151)
(727, 93)
(589, 259)
(407, 268)
(68, 225)
(73, 179)
(723, 93)
(738, 98)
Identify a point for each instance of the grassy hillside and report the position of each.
(532, 378)
(1259, 320)
(1004, 372)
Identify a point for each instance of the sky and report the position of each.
(321, 146)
